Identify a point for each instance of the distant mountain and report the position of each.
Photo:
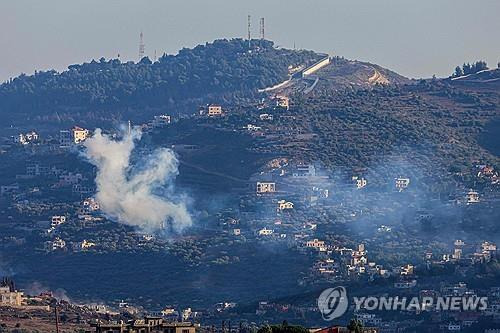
(110, 88)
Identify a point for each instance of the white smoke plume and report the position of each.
(141, 194)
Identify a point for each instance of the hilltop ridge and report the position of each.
(224, 71)
(109, 88)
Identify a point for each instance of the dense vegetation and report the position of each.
(221, 67)
(358, 128)
(283, 328)
(467, 68)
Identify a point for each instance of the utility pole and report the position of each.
(56, 313)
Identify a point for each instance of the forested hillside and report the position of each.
(99, 87)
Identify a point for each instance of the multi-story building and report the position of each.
(316, 244)
(266, 187)
(65, 138)
(472, 197)
(214, 110)
(75, 136)
(79, 134)
(283, 102)
(9, 297)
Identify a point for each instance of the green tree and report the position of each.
(458, 72)
(355, 326)
(283, 328)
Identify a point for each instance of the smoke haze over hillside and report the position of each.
(139, 194)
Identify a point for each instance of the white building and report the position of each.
(284, 205)
(488, 247)
(402, 183)
(316, 244)
(26, 138)
(472, 197)
(90, 205)
(162, 120)
(405, 284)
(265, 232)
(266, 187)
(57, 220)
(360, 182)
(304, 170)
(58, 243)
(253, 128)
(85, 244)
(266, 116)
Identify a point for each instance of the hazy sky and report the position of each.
(416, 38)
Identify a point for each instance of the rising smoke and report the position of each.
(36, 288)
(141, 194)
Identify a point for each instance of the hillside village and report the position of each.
(310, 187)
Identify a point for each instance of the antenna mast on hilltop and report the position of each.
(262, 31)
(248, 28)
(141, 47)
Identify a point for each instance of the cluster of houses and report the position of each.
(489, 173)
(27, 138)
(148, 324)
(437, 319)
(87, 212)
(337, 264)
(465, 254)
(59, 178)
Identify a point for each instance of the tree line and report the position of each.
(221, 67)
(468, 68)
